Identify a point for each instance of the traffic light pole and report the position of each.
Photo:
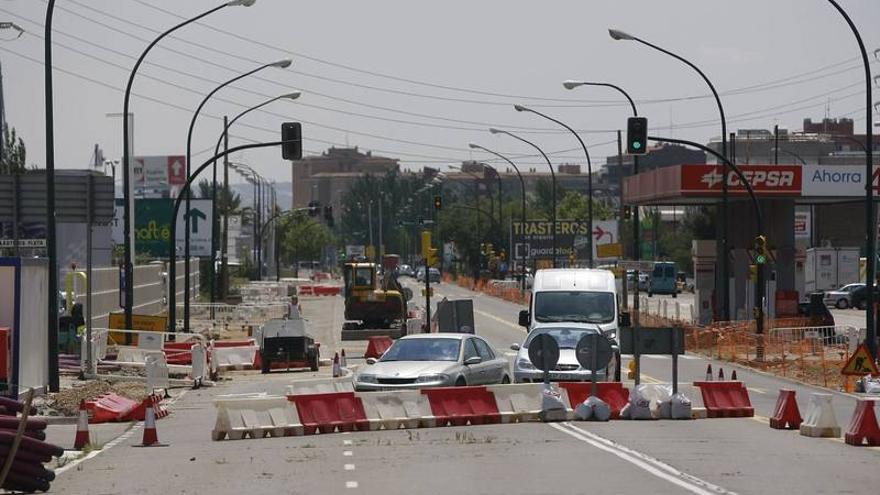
(760, 238)
(427, 293)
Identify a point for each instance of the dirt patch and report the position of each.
(66, 402)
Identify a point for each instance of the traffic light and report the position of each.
(627, 212)
(426, 242)
(637, 136)
(438, 203)
(761, 252)
(432, 257)
(328, 215)
(292, 132)
(314, 208)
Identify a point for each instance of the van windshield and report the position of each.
(575, 306)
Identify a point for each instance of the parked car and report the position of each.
(663, 279)
(432, 360)
(434, 273)
(859, 297)
(405, 271)
(644, 281)
(841, 298)
(568, 369)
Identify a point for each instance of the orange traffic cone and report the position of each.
(151, 436)
(733, 376)
(82, 428)
(720, 374)
(343, 363)
(337, 371)
(709, 373)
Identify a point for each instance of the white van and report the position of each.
(579, 299)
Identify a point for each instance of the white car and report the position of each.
(841, 298)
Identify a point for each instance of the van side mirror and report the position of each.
(525, 319)
(624, 320)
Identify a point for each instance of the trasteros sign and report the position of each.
(837, 180)
(533, 239)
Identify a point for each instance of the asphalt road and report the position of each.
(740, 455)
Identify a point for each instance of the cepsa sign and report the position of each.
(771, 180)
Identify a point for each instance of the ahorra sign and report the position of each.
(838, 180)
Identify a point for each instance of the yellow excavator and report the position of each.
(375, 302)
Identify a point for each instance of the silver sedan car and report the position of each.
(434, 360)
(567, 369)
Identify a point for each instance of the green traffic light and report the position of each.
(637, 145)
(760, 259)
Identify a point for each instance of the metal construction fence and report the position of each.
(206, 316)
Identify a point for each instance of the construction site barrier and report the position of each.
(109, 408)
(153, 401)
(397, 409)
(726, 399)
(376, 346)
(612, 393)
(786, 414)
(521, 402)
(233, 354)
(305, 290)
(255, 417)
(863, 428)
(459, 406)
(327, 413)
(326, 290)
(820, 421)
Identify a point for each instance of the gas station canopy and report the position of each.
(701, 184)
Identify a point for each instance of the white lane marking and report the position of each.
(116, 441)
(349, 467)
(654, 466)
(346, 442)
(511, 354)
(347, 453)
(499, 320)
(757, 390)
(660, 356)
(351, 484)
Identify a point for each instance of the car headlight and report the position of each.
(364, 378)
(524, 364)
(610, 334)
(436, 377)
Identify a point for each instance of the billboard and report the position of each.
(159, 176)
(838, 180)
(764, 179)
(534, 238)
(153, 227)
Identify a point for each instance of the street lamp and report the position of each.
(723, 286)
(520, 108)
(224, 137)
(128, 264)
(282, 64)
(870, 223)
(553, 178)
(52, 340)
(522, 186)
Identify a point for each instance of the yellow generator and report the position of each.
(374, 303)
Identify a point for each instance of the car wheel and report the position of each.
(842, 304)
(862, 305)
(613, 369)
(461, 382)
(505, 380)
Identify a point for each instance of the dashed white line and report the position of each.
(349, 467)
(351, 484)
(346, 442)
(654, 466)
(347, 453)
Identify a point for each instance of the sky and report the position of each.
(419, 80)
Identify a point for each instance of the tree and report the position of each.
(228, 201)
(303, 237)
(13, 160)
(543, 200)
(575, 206)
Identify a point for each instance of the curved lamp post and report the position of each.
(186, 217)
(172, 240)
(725, 301)
(520, 108)
(128, 264)
(870, 224)
(552, 176)
(522, 185)
(224, 136)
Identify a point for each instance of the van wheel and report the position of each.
(461, 382)
(505, 380)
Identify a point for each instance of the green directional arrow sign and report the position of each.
(194, 215)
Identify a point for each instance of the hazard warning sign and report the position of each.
(860, 363)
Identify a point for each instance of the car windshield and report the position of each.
(566, 338)
(577, 306)
(423, 350)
